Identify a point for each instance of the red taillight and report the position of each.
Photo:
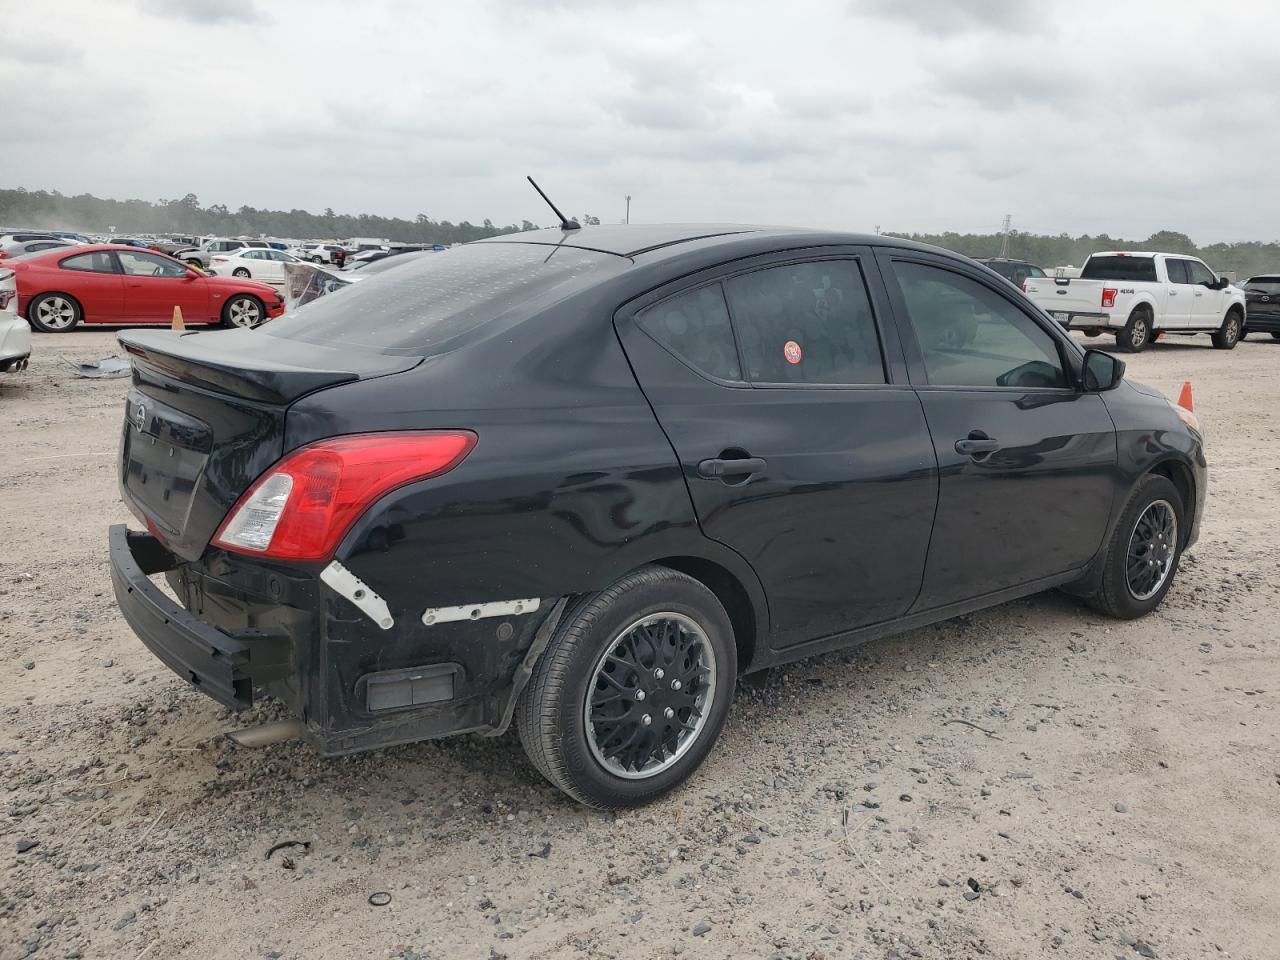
(301, 508)
(1108, 296)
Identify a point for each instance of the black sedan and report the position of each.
(582, 480)
(1262, 305)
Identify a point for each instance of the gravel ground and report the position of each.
(1113, 791)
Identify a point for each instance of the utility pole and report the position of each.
(1004, 234)
(628, 219)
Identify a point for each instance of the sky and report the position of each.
(1081, 117)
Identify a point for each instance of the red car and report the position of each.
(115, 284)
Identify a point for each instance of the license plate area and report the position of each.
(165, 453)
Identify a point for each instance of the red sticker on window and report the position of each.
(791, 350)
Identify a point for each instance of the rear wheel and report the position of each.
(1228, 335)
(1092, 333)
(317, 259)
(1136, 333)
(243, 310)
(54, 313)
(1144, 550)
(632, 690)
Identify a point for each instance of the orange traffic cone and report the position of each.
(177, 318)
(1184, 398)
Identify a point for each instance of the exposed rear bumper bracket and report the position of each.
(211, 660)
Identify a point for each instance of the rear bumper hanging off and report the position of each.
(208, 658)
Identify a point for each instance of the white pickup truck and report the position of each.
(1137, 296)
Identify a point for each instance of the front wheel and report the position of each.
(240, 272)
(1228, 335)
(632, 691)
(243, 310)
(54, 313)
(1144, 550)
(1136, 333)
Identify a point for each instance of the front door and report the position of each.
(782, 388)
(154, 285)
(1027, 463)
(1207, 307)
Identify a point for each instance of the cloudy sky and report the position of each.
(1080, 117)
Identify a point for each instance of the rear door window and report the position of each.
(1137, 269)
(806, 323)
(1265, 285)
(970, 336)
(1177, 270)
(425, 302)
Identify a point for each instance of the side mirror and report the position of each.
(1221, 283)
(193, 274)
(1102, 371)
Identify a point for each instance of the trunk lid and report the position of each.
(205, 417)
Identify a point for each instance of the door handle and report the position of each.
(717, 468)
(977, 444)
(1199, 294)
(1173, 293)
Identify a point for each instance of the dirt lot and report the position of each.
(1126, 803)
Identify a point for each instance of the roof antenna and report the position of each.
(565, 222)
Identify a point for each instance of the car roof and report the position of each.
(1143, 253)
(633, 240)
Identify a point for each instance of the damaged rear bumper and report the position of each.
(354, 684)
(216, 663)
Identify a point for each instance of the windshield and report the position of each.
(1120, 268)
(428, 300)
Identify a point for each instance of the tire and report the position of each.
(317, 259)
(571, 683)
(243, 310)
(1092, 333)
(54, 313)
(1136, 335)
(241, 272)
(1116, 595)
(1228, 335)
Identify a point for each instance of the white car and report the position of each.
(1138, 296)
(321, 252)
(259, 264)
(15, 334)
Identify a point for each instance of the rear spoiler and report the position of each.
(251, 364)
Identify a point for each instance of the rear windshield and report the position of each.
(1119, 268)
(1267, 285)
(415, 309)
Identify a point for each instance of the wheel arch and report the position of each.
(1183, 479)
(746, 613)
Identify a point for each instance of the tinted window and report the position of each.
(806, 323)
(1200, 273)
(427, 301)
(99, 262)
(149, 265)
(1267, 285)
(972, 337)
(1119, 268)
(1177, 271)
(695, 327)
(1035, 271)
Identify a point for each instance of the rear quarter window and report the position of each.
(428, 301)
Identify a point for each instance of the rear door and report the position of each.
(783, 391)
(1027, 463)
(1177, 312)
(154, 285)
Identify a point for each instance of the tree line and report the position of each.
(1244, 259)
(85, 213)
